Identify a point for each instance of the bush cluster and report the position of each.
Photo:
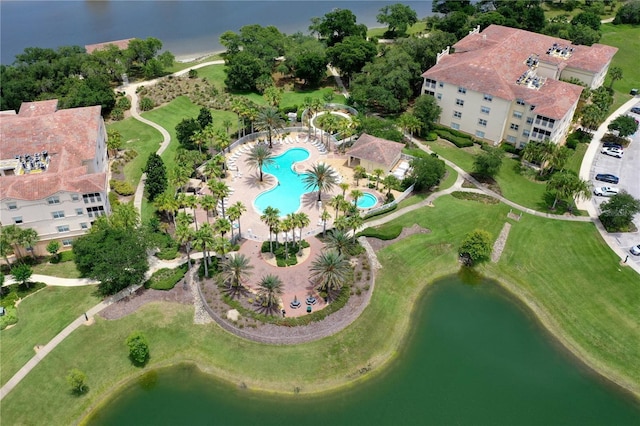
(389, 232)
(459, 141)
(121, 187)
(382, 211)
(165, 278)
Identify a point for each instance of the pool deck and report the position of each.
(246, 187)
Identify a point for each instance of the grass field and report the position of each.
(40, 317)
(627, 39)
(62, 269)
(416, 28)
(598, 318)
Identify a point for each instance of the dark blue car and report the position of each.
(605, 177)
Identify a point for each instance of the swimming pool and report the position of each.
(286, 195)
(367, 201)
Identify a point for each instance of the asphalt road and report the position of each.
(627, 169)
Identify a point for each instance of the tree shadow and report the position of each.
(79, 392)
(267, 310)
(236, 292)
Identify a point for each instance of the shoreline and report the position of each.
(381, 363)
(185, 59)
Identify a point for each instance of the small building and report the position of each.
(373, 153)
(53, 170)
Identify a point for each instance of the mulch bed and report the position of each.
(129, 305)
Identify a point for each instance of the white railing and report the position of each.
(405, 194)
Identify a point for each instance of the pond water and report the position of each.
(475, 357)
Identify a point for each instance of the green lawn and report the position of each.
(62, 269)
(297, 98)
(214, 74)
(418, 27)
(179, 66)
(143, 139)
(575, 161)
(40, 317)
(583, 295)
(627, 39)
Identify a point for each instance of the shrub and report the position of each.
(459, 141)
(146, 104)
(117, 114)
(476, 247)
(381, 211)
(121, 187)
(193, 73)
(431, 136)
(123, 103)
(130, 154)
(507, 147)
(77, 381)
(389, 232)
(113, 199)
(138, 348)
(165, 278)
(167, 253)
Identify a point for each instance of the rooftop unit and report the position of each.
(25, 164)
(559, 51)
(531, 80)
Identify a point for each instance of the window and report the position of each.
(517, 114)
(95, 211)
(526, 133)
(63, 228)
(488, 98)
(58, 214)
(529, 120)
(439, 96)
(429, 92)
(12, 206)
(84, 225)
(92, 198)
(485, 110)
(455, 126)
(546, 122)
(17, 220)
(457, 114)
(441, 84)
(511, 139)
(75, 197)
(462, 90)
(53, 200)
(67, 243)
(79, 212)
(520, 101)
(514, 126)
(480, 133)
(459, 102)
(429, 83)
(482, 122)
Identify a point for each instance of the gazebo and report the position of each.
(373, 153)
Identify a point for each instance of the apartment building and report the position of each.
(53, 170)
(503, 84)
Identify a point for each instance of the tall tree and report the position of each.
(566, 185)
(336, 25)
(618, 212)
(236, 269)
(28, 238)
(488, 162)
(269, 290)
(185, 236)
(258, 157)
(235, 212)
(321, 177)
(351, 55)
(21, 273)
(270, 216)
(156, 171)
(269, 120)
(398, 17)
(204, 239)
(330, 270)
(427, 111)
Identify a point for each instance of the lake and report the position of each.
(475, 357)
(187, 28)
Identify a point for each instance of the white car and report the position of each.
(614, 152)
(606, 191)
(635, 250)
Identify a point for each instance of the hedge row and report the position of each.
(387, 233)
(459, 141)
(121, 187)
(165, 278)
(383, 211)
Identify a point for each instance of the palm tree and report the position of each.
(409, 123)
(341, 223)
(222, 226)
(316, 105)
(356, 194)
(212, 169)
(389, 182)
(183, 219)
(226, 123)
(344, 186)
(287, 224)
(359, 172)
(208, 204)
(331, 124)
(235, 212)
(377, 173)
(330, 270)
(336, 203)
(200, 138)
(236, 269)
(204, 239)
(591, 116)
(167, 203)
(179, 176)
(269, 216)
(324, 217)
(191, 201)
(220, 191)
(222, 140)
(184, 237)
(615, 73)
(269, 290)
(338, 240)
(269, 120)
(11, 235)
(321, 177)
(355, 221)
(221, 245)
(259, 156)
(567, 185)
(28, 239)
(301, 220)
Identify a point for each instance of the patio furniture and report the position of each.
(309, 309)
(311, 300)
(295, 304)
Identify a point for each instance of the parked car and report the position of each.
(606, 191)
(614, 152)
(606, 177)
(635, 110)
(635, 250)
(612, 145)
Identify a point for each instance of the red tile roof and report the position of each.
(120, 44)
(492, 61)
(69, 136)
(377, 150)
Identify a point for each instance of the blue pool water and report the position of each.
(286, 196)
(367, 201)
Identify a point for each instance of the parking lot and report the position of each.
(627, 169)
